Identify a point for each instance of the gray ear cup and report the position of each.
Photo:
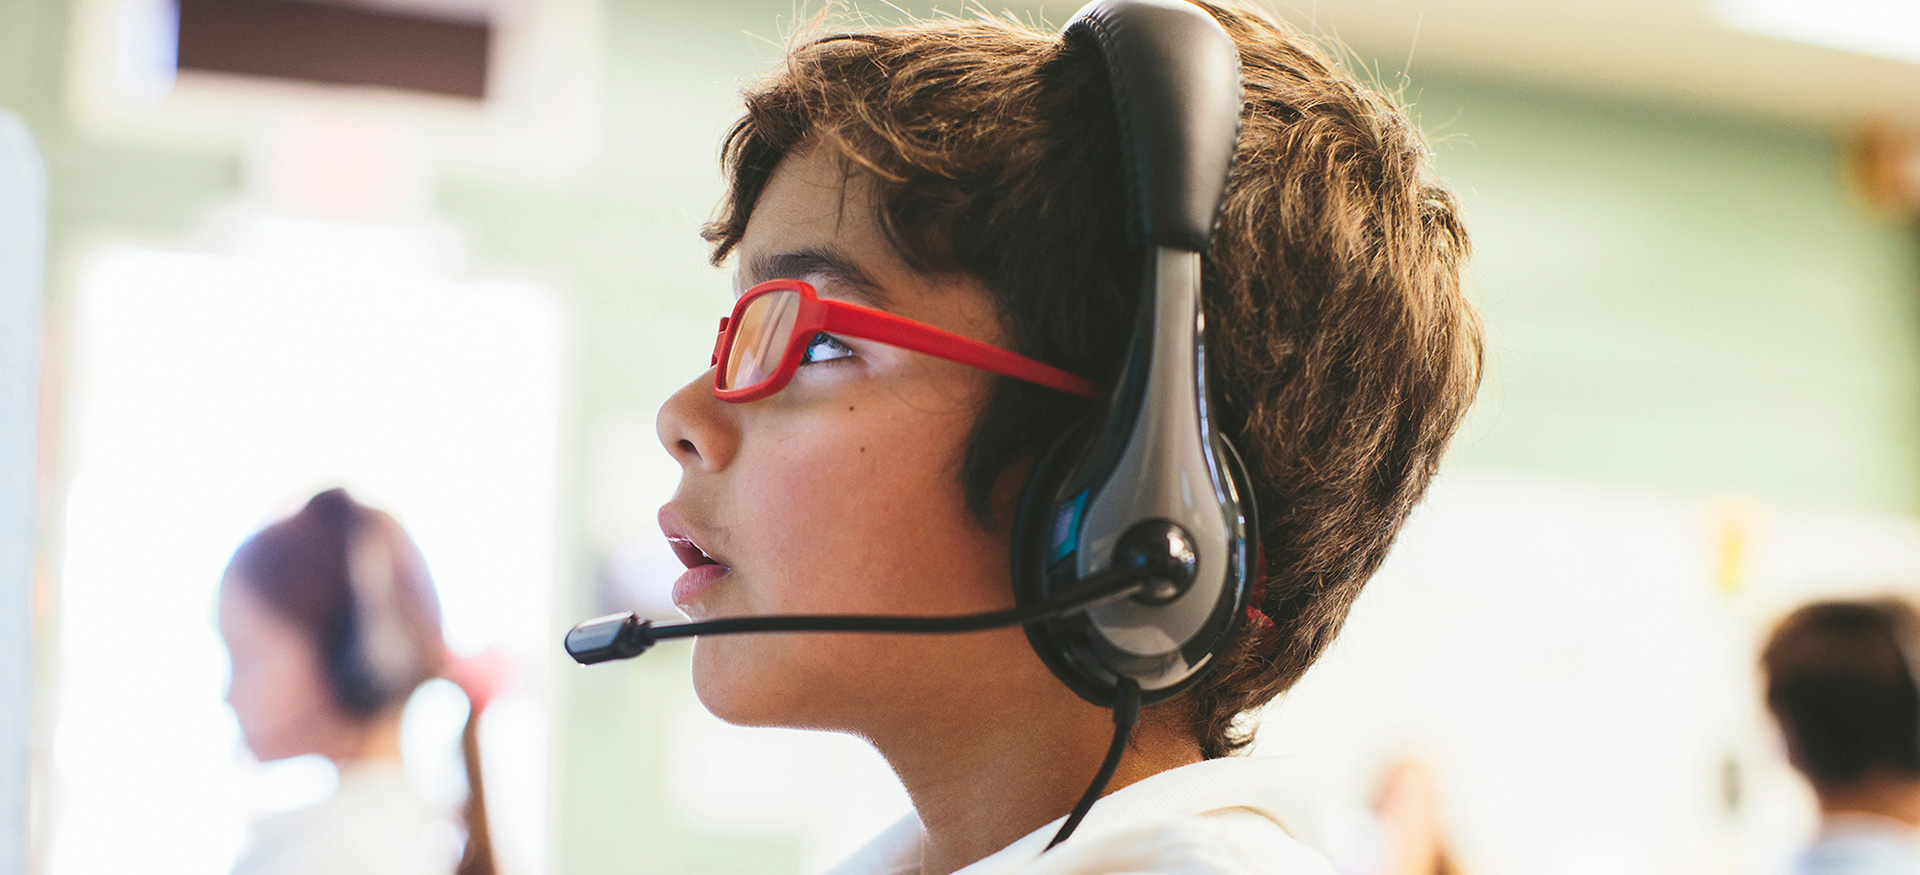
(390, 655)
(1075, 647)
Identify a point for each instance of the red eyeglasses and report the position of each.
(762, 343)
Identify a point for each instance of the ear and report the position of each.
(1003, 501)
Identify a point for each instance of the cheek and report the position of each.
(280, 697)
(853, 515)
(869, 514)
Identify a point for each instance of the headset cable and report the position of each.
(1126, 713)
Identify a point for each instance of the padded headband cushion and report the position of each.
(1176, 91)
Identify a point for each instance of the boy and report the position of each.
(966, 176)
(1840, 681)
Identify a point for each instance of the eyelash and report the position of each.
(807, 357)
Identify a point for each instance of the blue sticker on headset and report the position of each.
(1066, 528)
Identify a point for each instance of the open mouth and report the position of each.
(690, 553)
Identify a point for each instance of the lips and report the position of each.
(703, 568)
(689, 553)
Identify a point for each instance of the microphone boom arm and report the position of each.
(624, 636)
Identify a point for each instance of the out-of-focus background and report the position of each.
(445, 253)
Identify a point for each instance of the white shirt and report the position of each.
(1219, 817)
(374, 824)
(1861, 844)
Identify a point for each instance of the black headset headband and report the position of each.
(1176, 92)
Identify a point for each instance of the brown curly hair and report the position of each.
(1342, 354)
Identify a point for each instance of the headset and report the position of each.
(1136, 533)
(372, 660)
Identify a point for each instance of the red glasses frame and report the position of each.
(816, 315)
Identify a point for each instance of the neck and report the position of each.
(375, 741)
(1896, 797)
(983, 784)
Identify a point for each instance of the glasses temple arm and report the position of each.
(908, 334)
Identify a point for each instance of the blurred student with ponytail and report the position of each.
(332, 622)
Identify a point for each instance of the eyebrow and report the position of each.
(821, 263)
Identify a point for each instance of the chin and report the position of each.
(266, 752)
(734, 684)
(283, 740)
(800, 681)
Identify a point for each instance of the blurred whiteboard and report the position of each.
(1577, 663)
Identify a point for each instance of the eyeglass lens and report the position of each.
(760, 339)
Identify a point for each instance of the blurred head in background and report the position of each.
(332, 622)
(1839, 679)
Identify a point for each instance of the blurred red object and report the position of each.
(482, 676)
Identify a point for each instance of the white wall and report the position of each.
(23, 206)
(1577, 665)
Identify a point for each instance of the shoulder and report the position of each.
(896, 851)
(1861, 853)
(375, 830)
(1231, 816)
(1220, 817)
(1221, 842)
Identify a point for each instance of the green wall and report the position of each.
(1683, 301)
(1672, 299)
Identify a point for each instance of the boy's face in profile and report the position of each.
(841, 494)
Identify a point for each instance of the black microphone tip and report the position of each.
(615, 636)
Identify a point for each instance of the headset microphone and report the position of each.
(1143, 575)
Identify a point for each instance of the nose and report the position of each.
(696, 428)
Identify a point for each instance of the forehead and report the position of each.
(244, 614)
(818, 220)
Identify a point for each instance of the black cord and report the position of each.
(1126, 713)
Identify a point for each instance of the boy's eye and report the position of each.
(824, 348)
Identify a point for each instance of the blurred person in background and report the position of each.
(332, 622)
(1840, 681)
(1408, 805)
(1404, 832)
